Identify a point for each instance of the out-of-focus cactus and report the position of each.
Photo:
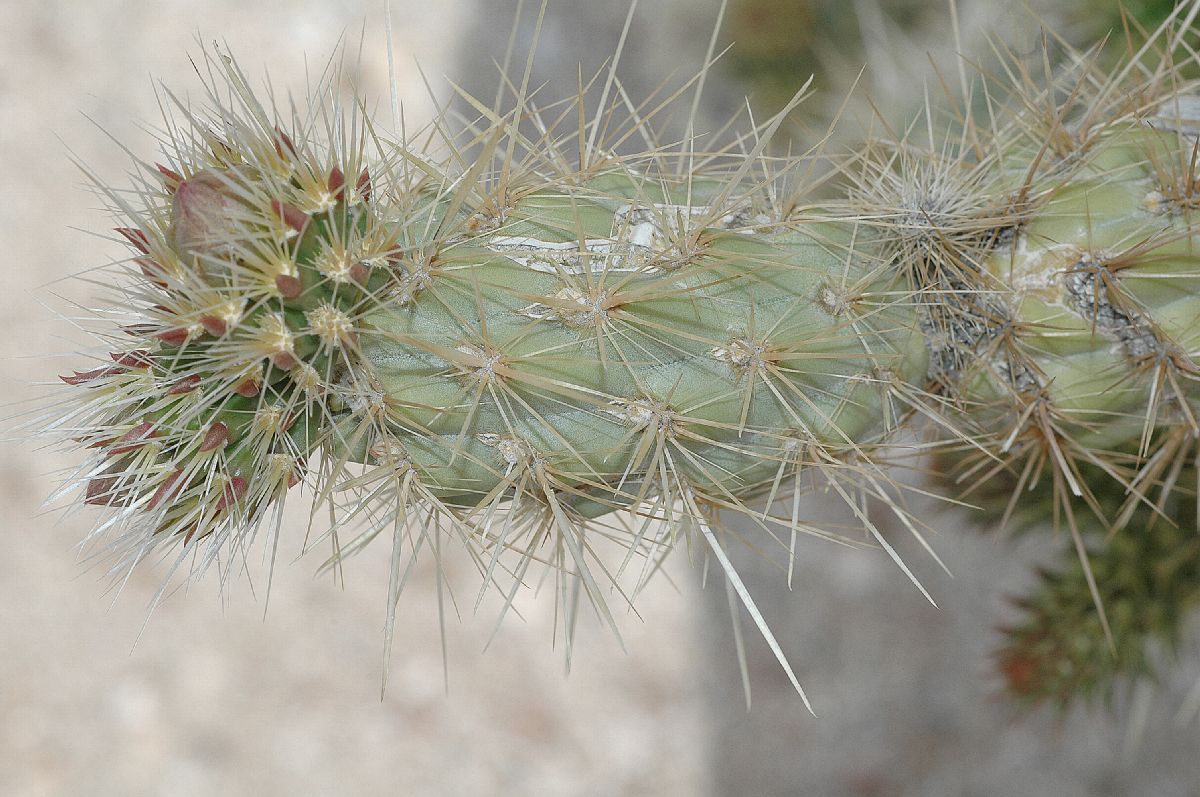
(1142, 567)
(1148, 576)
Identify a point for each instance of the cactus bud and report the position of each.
(207, 220)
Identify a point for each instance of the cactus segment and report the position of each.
(1103, 285)
(543, 346)
(586, 359)
(615, 336)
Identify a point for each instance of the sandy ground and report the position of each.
(216, 697)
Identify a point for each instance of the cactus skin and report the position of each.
(540, 354)
(596, 378)
(1105, 288)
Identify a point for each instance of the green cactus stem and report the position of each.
(541, 346)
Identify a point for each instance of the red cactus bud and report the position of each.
(248, 387)
(173, 337)
(216, 437)
(337, 183)
(283, 145)
(360, 273)
(134, 439)
(185, 385)
(234, 490)
(82, 377)
(289, 287)
(170, 487)
(363, 186)
(292, 216)
(133, 359)
(205, 214)
(170, 177)
(283, 360)
(152, 270)
(102, 491)
(136, 238)
(213, 325)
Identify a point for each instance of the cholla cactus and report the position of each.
(1148, 574)
(520, 337)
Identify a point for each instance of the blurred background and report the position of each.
(212, 693)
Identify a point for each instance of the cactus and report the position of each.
(539, 345)
(1148, 573)
(1144, 561)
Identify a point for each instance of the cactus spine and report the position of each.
(541, 345)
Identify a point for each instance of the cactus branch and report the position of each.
(524, 338)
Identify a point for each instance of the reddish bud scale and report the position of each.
(284, 146)
(185, 385)
(102, 491)
(234, 490)
(134, 439)
(83, 377)
(248, 387)
(284, 361)
(171, 487)
(292, 216)
(214, 326)
(289, 287)
(171, 178)
(136, 238)
(173, 337)
(152, 270)
(337, 183)
(133, 359)
(363, 186)
(216, 437)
